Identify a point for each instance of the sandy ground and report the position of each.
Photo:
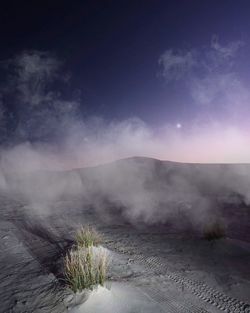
(152, 269)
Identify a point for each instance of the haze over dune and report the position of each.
(146, 191)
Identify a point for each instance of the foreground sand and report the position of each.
(152, 269)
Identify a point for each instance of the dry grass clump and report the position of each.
(87, 237)
(85, 268)
(214, 231)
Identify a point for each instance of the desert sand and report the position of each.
(159, 259)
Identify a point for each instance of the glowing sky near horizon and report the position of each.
(124, 80)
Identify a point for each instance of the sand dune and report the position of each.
(152, 216)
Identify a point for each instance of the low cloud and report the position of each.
(210, 81)
(199, 62)
(44, 127)
(140, 190)
(226, 52)
(177, 65)
(34, 106)
(47, 140)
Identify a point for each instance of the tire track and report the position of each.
(156, 266)
(199, 289)
(171, 298)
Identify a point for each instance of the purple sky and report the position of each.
(168, 79)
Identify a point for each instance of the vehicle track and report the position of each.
(199, 289)
(170, 297)
(156, 266)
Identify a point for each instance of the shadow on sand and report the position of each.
(45, 243)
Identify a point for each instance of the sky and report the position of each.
(165, 79)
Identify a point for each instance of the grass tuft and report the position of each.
(87, 237)
(214, 231)
(85, 268)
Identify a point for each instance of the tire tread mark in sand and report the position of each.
(172, 301)
(166, 305)
(201, 290)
